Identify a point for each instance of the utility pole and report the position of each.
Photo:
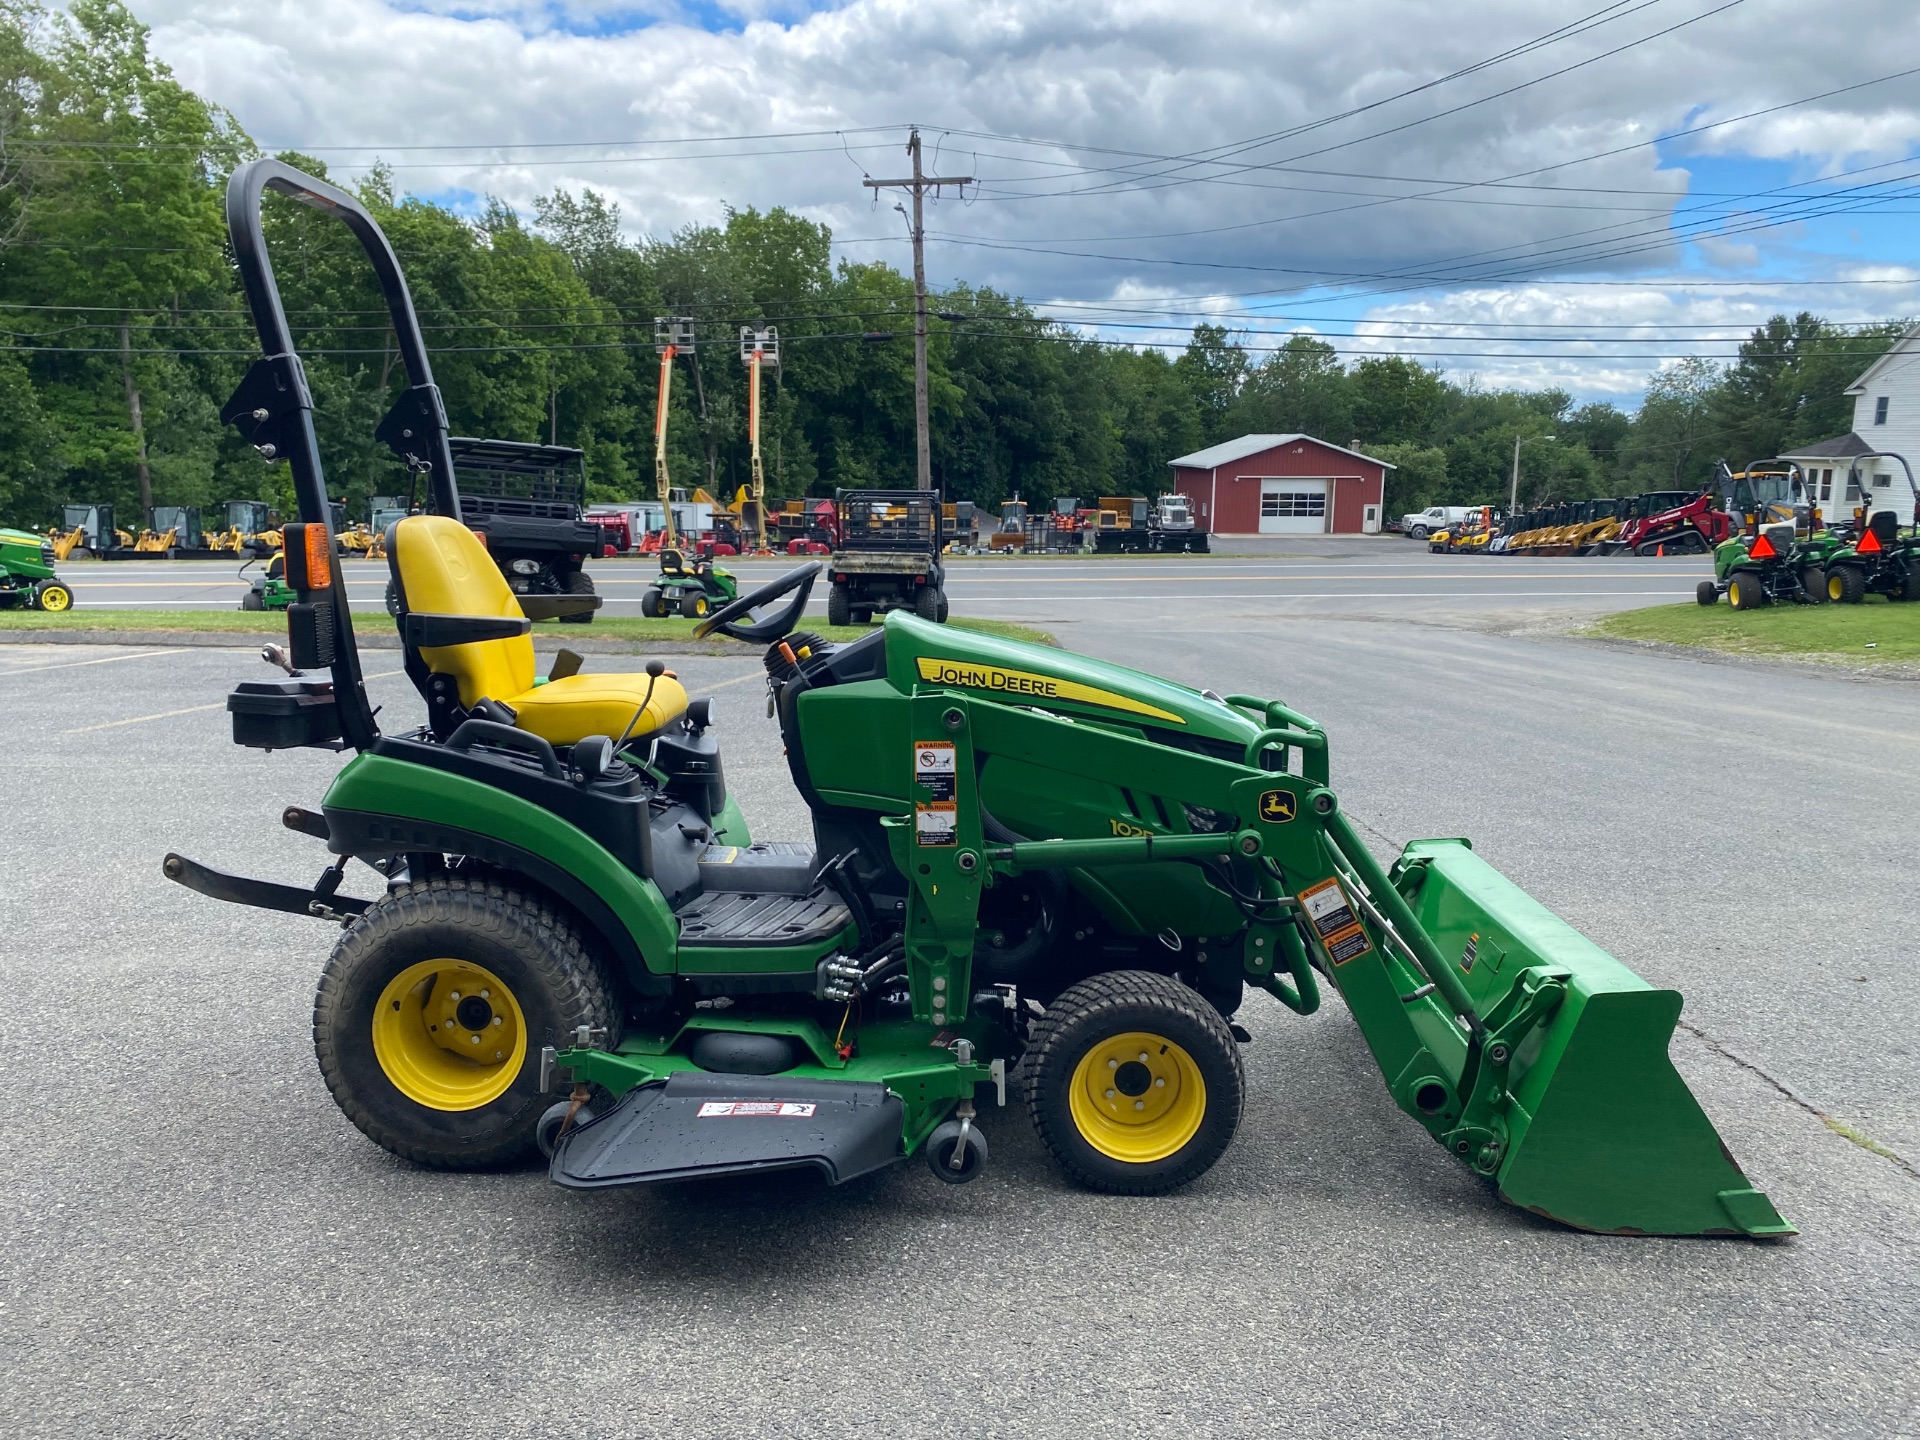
(758, 346)
(919, 184)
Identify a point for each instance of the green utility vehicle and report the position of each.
(694, 590)
(26, 573)
(576, 945)
(1878, 558)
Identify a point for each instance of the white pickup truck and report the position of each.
(1434, 517)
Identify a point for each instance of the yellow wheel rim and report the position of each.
(1733, 593)
(1137, 1097)
(55, 597)
(1834, 588)
(700, 608)
(449, 1035)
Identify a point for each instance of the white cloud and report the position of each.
(1120, 79)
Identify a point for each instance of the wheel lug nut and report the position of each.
(1143, 1054)
(1159, 1084)
(1109, 1094)
(475, 1039)
(454, 996)
(486, 994)
(496, 1019)
(1139, 1104)
(1113, 1064)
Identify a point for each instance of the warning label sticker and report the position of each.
(936, 824)
(1331, 914)
(739, 1109)
(934, 766)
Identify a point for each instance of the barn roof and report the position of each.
(1227, 451)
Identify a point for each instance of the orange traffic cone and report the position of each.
(1661, 551)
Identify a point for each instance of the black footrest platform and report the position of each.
(696, 1124)
(730, 917)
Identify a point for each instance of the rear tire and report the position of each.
(942, 616)
(1910, 583)
(1706, 592)
(1744, 591)
(1117, 1123)
(694, 605)
(926, 603)
(579, 583)
(839, 605)
(1846, 584)
(387, 994)
(1813, 585)
(863, 615)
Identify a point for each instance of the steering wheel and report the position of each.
(766, 631)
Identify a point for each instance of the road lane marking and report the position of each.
(104, 660)
(142, 719)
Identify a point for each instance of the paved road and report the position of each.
(193, 1241)
(1333, 575)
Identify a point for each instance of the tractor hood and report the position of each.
(1020, 673)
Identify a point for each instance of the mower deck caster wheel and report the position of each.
(943, 1145)
(546, 1134)
(1706, 592)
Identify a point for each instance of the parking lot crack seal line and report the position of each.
(1851, 1134)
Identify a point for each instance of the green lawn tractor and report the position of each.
(26, 573)
(1879, 557)
(1774, 554)
(269, 589)
(574, 945)
(694, 590)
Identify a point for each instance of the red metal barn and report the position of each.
(1282, 485)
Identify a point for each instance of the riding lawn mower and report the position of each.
(1034, 876)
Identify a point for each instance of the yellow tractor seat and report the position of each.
(444, 576)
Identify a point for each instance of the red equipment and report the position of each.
(1693, 528)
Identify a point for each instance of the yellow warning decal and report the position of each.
(1028, 685)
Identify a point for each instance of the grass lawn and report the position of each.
(604, 627)
(1878, 632)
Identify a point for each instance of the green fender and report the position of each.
(552, 851)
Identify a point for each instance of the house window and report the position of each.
(1881, 482)
(1293, 504)
(1880, 410)
(1853, 486)
(1826, 484)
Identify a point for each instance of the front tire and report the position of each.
(1418, 532)
(432, 1012)
(651, 604)
(1134, 1083)
(1706, 592)
(1846, 584)
(1744, 591)
(52, 596)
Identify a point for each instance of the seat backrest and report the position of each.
(672, 562)
(442, 569)
(1885, 525)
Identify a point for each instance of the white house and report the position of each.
(1886, 420)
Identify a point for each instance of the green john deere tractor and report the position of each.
(1879, 557)
(693, 588)
(26, 573)
(575, 945)
(269, 589)
(1775, 550)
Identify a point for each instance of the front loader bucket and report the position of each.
(1600, 1130)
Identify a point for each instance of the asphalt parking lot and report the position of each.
(194, 1241)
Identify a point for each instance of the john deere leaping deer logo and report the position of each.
(1278, 806)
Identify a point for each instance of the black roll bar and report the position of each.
(273, 406)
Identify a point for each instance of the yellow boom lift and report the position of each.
(671, 337)
(758, 347)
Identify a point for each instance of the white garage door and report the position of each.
(1293, 507)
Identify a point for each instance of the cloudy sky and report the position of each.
(1531, 192)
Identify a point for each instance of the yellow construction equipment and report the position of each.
(758, 347)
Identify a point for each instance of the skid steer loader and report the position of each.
(576, 946)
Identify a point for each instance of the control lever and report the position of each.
(277, 655)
